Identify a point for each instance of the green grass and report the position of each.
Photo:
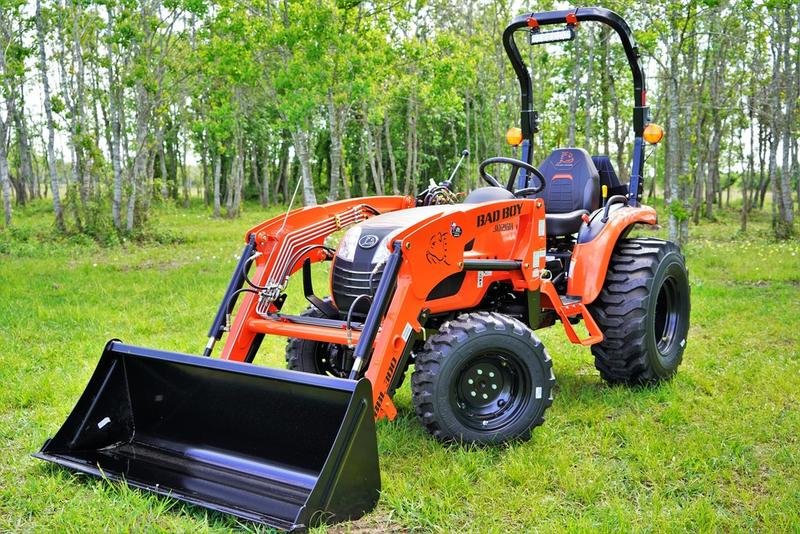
(714, 449)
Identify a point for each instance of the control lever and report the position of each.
(449, 182)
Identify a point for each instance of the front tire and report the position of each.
(643, 311)
(483, 378)
(317, 357)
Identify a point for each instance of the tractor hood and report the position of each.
(368, 241)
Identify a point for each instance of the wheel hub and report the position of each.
(667, 316)
(482, 384)
(332, 360)
(490, 392)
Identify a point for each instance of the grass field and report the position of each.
(717, 448)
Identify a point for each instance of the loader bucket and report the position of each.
(282, 448)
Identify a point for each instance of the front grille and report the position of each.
(350, 281)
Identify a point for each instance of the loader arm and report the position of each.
(282, 245)
(433, 250)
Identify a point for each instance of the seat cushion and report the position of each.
(559, 224)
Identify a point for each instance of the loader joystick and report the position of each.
(516, 165)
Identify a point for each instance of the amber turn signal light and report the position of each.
(514, 136)
(653, 133)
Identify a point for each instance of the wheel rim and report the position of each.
(491, 391)
(327, 356)
(667, 317)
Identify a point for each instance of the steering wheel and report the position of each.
(517, 165)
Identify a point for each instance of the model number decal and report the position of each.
(499, 214)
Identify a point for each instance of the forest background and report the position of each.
(110, 107)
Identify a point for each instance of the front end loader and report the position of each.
(455, 289)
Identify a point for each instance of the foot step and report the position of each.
(568, 306)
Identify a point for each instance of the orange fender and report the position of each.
(587, 270)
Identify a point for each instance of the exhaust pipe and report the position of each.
(289, 450)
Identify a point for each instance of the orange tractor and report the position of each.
(455, 289)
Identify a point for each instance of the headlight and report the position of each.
(382, 251)
(348, 244)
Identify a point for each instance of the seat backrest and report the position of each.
(608, 176)
(573, 182)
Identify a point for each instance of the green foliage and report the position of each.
(229, 79)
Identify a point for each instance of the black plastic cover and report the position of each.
(282, 448)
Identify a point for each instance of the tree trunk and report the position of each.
(573, 96)
(335, 130)
(229, 180)
(283, 168)
(672, 170)
(605, 34)
(763, 179)
(700, 170)
(362, 175)
(750, 175)
(18, 183)
(390, 151)
(140, 160)
(265, 177)
(713, 180)
(300, 140)
(4, 179)
(204, 164)
(48, 110)
(114, 103)
(162, 167)
(237, 168)
(345, 184)
(619, 131)
(73, 132)
(796, 170)
(217, 158)
(23, 144)
(378, 143)
(411, 135)
(370, 146)
(587, 124)
(80, 107)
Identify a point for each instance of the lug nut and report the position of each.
(491, 374)
(480, 371)
(470, 381)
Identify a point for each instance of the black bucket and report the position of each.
(282, 448)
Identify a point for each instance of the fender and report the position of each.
(589, 264)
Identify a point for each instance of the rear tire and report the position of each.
(483, 378)
(643, 312)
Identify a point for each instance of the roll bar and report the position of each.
(528, 115)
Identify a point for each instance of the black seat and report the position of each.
(608, 176)
(572, 189)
